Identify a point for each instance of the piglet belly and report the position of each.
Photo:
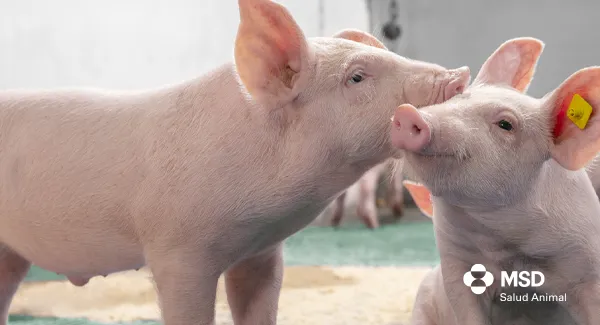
(78, 252)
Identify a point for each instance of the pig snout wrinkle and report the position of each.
(410, 130)
(457, 84)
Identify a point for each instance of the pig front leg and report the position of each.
(586, 305)
(462, 300)
(424, 310)
(186, 283)
(431, 303)
(13, 269)
(253, 287)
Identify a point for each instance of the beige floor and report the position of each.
(311, 295)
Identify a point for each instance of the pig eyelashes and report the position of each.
(356, 77)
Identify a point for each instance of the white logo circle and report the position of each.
(478, 279)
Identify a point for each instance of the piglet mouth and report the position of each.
(429, 154)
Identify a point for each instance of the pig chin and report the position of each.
(436, 159)
(432, 170)
(398, 154)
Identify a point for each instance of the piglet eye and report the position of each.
(356, 78)
(505, 125)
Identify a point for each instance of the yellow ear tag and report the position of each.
(579, 111)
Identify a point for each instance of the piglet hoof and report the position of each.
(336, 220)
(369, 218)
(372, 223)
(397, 211)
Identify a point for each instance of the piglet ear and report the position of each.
(360, 37)
(421, 196)
(512, 64)
(579, 97)
(272, 55)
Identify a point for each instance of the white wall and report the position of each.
(465, 32)
(146, 43)
(125, 44)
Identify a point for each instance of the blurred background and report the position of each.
(135, 44)
(128, 44)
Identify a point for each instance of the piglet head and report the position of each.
(482, 141)
(332, 95)
(486, 146)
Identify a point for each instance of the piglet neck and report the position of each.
(459, 221)
(559, 202)
(566, 198)
(328, 171)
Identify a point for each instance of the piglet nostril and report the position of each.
(416, 130)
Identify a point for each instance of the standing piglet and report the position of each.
(204, 177)
(367, 186)
(510, 192)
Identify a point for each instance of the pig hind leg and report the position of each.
(13, 269)
(367, 204)
(338, 210)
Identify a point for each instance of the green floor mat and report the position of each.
(400, 244)
(38, 274)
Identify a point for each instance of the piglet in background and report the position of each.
(363, 194)
(205, 177)
(509, 191)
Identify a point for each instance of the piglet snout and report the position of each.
(410, 131)
(459, 80)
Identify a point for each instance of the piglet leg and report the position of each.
(396, 190)
(253, 287)
(367, 204)
(338, 210)
(586, 305)
(186, 283)
(13, 269)
(463, 302)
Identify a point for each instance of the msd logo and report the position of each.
(523, 279)
(479, 279)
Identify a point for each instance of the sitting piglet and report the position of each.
(510, 192)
